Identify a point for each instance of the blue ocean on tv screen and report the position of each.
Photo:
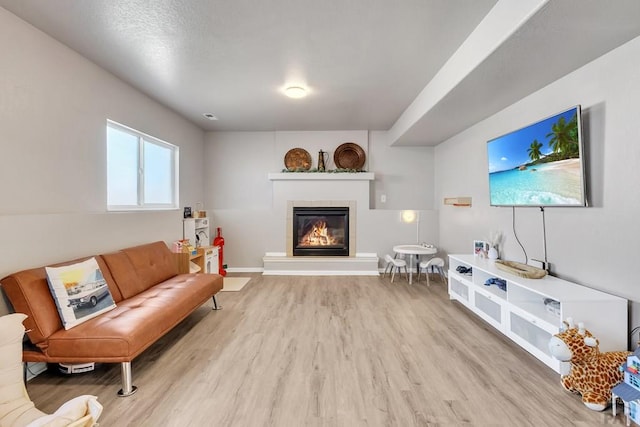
(543, 185)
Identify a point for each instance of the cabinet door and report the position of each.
(459, 289)
(490, 308)
(533, 335)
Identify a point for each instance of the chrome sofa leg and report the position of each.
(127, 386)
(215, 304)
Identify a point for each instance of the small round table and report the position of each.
(416, 250)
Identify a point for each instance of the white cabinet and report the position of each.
(197, 231)
(530, 311)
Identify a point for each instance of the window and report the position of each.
(142, 171)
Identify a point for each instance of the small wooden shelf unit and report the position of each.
(184, 259)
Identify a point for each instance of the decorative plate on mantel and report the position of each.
(349, 156)
(297, 158)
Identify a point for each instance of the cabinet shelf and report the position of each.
(520, 312)
(184, 260)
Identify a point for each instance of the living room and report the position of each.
(54, 104)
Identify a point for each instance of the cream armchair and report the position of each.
(16, 408)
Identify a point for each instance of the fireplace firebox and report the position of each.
(320, 231)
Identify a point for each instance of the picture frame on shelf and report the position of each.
(480, 248)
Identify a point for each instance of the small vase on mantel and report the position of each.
(493, 253)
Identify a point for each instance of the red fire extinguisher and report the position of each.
(219, 242)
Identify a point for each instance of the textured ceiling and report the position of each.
(364, 61)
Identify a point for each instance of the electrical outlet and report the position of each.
(383, 198)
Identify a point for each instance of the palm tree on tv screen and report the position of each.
(564, 137)
(534, 150)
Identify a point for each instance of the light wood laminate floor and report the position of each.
(330, 351)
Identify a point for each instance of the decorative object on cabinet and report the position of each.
(592, 374)
(521, 270)
(480, 248)
(495, 241)
(349, 156)
(297, 159)
(199, 212)
(552, 306)
(500, 283)
(520, 313)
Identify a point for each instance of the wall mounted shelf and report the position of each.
(458, 201)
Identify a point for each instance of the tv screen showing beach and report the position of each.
(539, 165)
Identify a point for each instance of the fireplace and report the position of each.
(320, 231)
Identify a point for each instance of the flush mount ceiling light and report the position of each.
(210, 116)
(295, 92)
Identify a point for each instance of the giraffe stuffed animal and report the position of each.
(584, 369)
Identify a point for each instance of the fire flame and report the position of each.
(318, 236)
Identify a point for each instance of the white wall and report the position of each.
(595, 246)
(53, 110)
(239, 197)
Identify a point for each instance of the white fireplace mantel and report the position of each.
(321, 176)
(318, 189)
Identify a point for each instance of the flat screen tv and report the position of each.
(539, 165)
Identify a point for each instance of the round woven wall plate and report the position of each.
(349, 156)
(297, 158)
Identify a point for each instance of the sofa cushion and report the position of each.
(79, 291)
(138, 268)
(29, 293)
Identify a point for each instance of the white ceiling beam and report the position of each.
(501, 22)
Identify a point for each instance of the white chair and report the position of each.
(435, 264)
(398, 264)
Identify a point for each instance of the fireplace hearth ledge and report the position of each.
(279, 264)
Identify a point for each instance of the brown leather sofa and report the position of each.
(151, 298)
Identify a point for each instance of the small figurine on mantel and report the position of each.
(321, 165)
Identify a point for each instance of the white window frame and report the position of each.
(142, 138)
